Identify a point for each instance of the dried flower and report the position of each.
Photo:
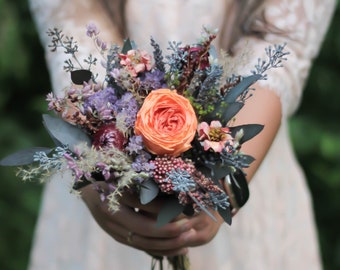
(136, 61)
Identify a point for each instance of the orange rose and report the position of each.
(167, 122)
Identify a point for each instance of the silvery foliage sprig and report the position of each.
(70, 46)
(275, 56)
(158, 55)
(52, 162)
(177, 58)
(46, 164)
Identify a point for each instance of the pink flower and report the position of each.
(136, 61)
(214, 136)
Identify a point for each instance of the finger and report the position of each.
(147, 226)
(156, 245)
(137, 239)
(204, 229)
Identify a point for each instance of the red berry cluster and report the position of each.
(198, 196)
(164, 165)
(205, 186)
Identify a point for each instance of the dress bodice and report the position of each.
(182, 21)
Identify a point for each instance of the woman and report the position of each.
(275, 229)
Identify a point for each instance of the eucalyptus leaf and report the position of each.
(170, 209)
(65, 133)
(149, 191)
(80, 76)
(237, 90)
(239, 186)
(224, 112)
(225, 214)
(249, 130)
(231, 111)
(23, 157)
(127, 46)
(218, 170)
(247, 159)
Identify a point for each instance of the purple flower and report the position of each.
(153, 80)
(102, 103)
(92, 30)
(141, 163)
(127, 108)
(135, 145)
(72, 165)
(54, 103)
(105, 170)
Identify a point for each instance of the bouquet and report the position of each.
(158, 125)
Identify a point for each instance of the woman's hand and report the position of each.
(138, 228)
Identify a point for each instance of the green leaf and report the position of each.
(23, 157)
(239, 186)
(149, 191)
(127, 46)
(225, 214)
(64, 133)
(218, 170)
(224, 112)
(249, 130)
(237, 90)
(247, 159)
(170, 209)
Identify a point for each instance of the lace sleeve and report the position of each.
(302, 26)
(71, 17)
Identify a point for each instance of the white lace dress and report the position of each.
(275, 229)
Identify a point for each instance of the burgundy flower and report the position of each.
(196, 53)
(109, 136)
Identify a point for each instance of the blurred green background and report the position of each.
(24, 83)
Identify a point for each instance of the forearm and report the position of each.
(264, 108)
